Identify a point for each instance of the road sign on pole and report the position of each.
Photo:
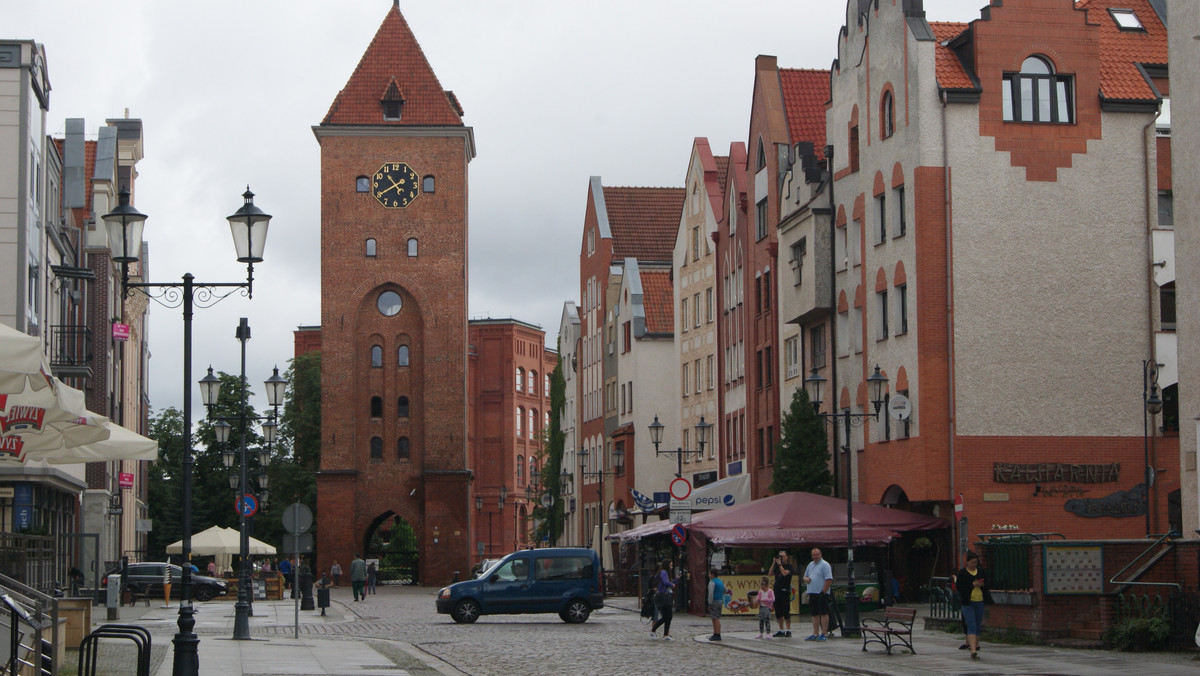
(681, 516)
(246, 505)
(681, 488)
(678, 535)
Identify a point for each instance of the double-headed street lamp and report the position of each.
(500, 506)
(702, 430)
(249, 228)
(1154, 405)
(877, 382)
(210, 388)
(599, 474)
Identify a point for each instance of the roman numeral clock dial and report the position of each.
(394, 185)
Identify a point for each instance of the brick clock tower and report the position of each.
(394, 482)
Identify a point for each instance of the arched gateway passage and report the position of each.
(392, 540)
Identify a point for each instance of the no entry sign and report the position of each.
(681, 488)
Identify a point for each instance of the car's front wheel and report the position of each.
(466, 612)
(205, 593)
(576, 612)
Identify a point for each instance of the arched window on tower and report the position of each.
(533, 382)
(376, 448)
(376, 407)
(376, 356)
(520, 421)
(402, 356)
(362, 184)
(371, 247)
(402, 407)
(533, 417)
(427, 184)
(412, 247)
(402, 450)
(520, 470)
(520, 379)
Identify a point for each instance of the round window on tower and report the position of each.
(389, 303)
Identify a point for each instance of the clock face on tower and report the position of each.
(394, 185)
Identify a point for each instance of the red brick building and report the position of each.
(394, 466)
(509, 394)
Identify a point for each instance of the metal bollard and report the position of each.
(113, 598)
(306, 590)
(322, 598)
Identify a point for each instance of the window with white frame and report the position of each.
(901, 309)
(711, 370)
(685, 380)
(901, 224)
(696, 311)
(696, 375)
(799, 249)
(683, 314)
(791, 356)
(760, 219)
(710, 307)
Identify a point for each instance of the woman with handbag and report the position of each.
(664, 600)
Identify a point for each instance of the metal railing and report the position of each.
(29, 559)
(30, 620)
(71, 350)
(943, 601)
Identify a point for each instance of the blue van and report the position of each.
(561, 580)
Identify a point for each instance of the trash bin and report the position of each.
(306, 590)
(322, 598)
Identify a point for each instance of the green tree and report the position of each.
(553, 445)
(296, 454)
(163, 489)
(802, 452)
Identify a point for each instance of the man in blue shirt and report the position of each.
(818, 577)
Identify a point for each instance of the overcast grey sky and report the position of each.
(556, 90)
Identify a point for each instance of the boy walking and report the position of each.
(716, 601)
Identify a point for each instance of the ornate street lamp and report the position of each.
(1154, 405)
(124, 227)
(876, 383)
(702, 429)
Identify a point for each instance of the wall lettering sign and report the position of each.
(1055, 472)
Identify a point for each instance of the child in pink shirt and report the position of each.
(766, 606)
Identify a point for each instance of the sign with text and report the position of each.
(125, 479)
(681, 516)
(120, 331)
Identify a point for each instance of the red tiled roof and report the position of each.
(950, 71)
(394, 56)
(644, 221)
(1122, 50)
(658, 300)
(805, 93)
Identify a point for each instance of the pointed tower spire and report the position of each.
(394, 84)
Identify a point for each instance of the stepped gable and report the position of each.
(658, 300)
(643, 221)
(805, 95)
(394, 66)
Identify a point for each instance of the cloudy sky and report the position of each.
(556, 90)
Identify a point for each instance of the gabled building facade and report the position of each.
(695, 287)
(975, 252)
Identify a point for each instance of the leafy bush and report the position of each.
(1138, 634)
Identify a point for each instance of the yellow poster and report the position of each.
(737, 599)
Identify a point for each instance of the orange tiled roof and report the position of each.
(658, 300)
(805, 93)
(1122, 50)
(643, 221)
(950, 72)
(394, 57)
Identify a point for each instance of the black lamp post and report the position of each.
(702, 430)
(210, 387)
(249, 228)
(877, 381)
(499, 505)
(1153, 404)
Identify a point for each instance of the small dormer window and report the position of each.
(1127, 20)
(392, 102)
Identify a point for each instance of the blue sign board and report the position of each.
(246, 505)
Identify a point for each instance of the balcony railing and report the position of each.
(71, 351)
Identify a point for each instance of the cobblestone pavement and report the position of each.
(612, 641)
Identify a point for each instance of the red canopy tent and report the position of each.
(794, 519)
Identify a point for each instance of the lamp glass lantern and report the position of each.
(221, 429)
(124, 226)
(210, 388)
(702, 430)
(813, 384)
(276, 387)
(656, 432)
(270, 429)
(249, 228)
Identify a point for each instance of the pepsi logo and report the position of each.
(729, 499)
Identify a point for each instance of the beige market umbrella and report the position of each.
(121, 444)
(220, 540)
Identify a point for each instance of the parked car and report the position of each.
(559, 580)
(147, 577)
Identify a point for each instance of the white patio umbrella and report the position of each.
(220, 540)
(121, 444)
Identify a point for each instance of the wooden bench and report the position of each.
(894, 629)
